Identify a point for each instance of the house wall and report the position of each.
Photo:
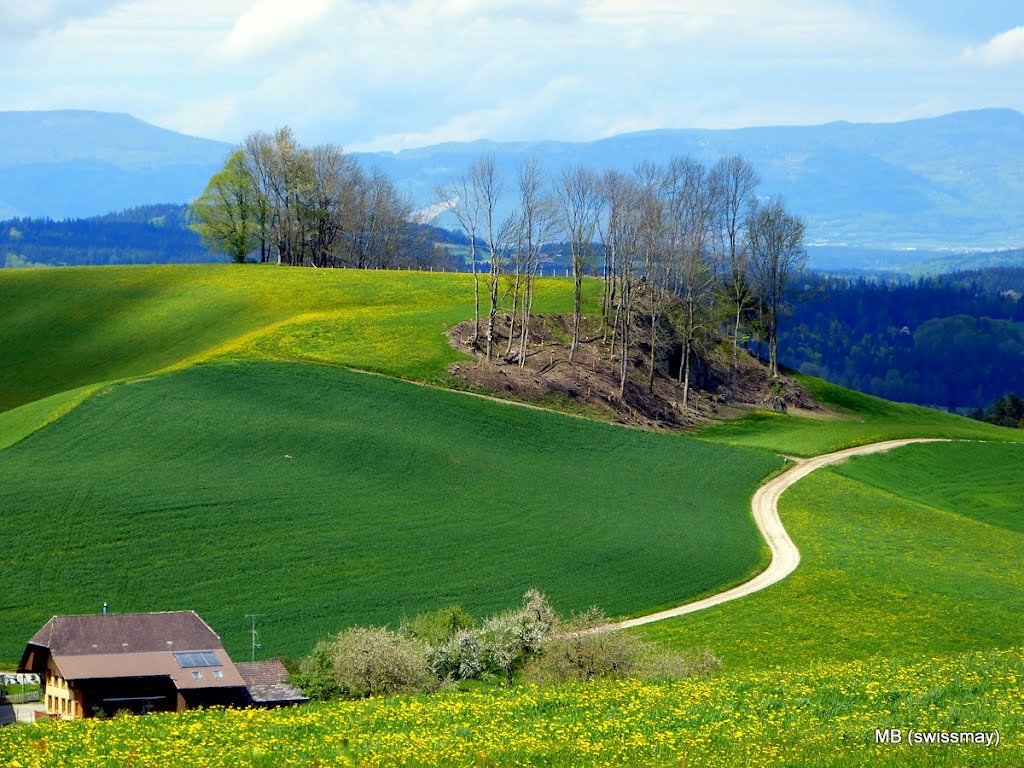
(62, 700)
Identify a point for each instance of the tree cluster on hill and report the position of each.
(680, 244)
(953, 341)
(275, 200)
(152, 234)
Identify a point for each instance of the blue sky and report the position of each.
(407, 73)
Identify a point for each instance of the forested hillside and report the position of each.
(152, 234)
(954, 341)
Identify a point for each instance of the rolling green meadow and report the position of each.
(323, 498)
(72, 327)
(190, 437)
(856, 419)
(885, 573)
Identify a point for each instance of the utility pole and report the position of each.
(255, 635)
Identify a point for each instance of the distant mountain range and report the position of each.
(74, 164)
(955, 181)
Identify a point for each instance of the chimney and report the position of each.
(106, 608)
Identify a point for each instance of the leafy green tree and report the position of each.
(226, 215)
(1008, 411)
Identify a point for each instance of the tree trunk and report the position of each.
(476, 292)
(492, 312)
(654, 351)
(686, 375)
(512, 317)
(578, 288)
(624, 362)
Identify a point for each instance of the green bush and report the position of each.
(315, 675)
(377, 661)
(438, 627)
(586, 648)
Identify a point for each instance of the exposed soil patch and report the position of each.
(590, 383)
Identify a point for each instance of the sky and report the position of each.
(408, 73)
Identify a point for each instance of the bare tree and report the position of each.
(693, 211)
(460, 197)
(777, 253)
(620, 238)
(579, 203)
(489, 185)
(611, 187)
(380, 219)
(658, 237)
(258, 148)
(536, 227)
(333, 172)
(734, 180)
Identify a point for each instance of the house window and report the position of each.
(218, 674)
(197, 675)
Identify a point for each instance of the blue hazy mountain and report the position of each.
(950, 181)
(955, 181)
(74, 164)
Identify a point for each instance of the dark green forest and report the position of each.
(152, 234)
(954, 341)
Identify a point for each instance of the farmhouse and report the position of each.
(139, 662)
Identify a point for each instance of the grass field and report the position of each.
(982, 481)
(322, 498)
(861, 419)
(226, 479)
(69, 327)
(820, 717)
(880, 573)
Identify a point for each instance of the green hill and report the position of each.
(323, 498)
(71, 327)
(856, 419)
(908, 554)
(186, 437)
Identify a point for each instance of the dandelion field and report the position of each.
(821, 716)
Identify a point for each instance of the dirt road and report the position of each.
(765, 506)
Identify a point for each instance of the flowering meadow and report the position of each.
(819, 716)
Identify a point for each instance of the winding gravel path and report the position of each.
(765, 506)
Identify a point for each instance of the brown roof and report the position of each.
(126, 633)
(163, 664)
(125, 645)
(267, 682)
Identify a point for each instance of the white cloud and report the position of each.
(397, 73)
(272, 25)
(1005, 48)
